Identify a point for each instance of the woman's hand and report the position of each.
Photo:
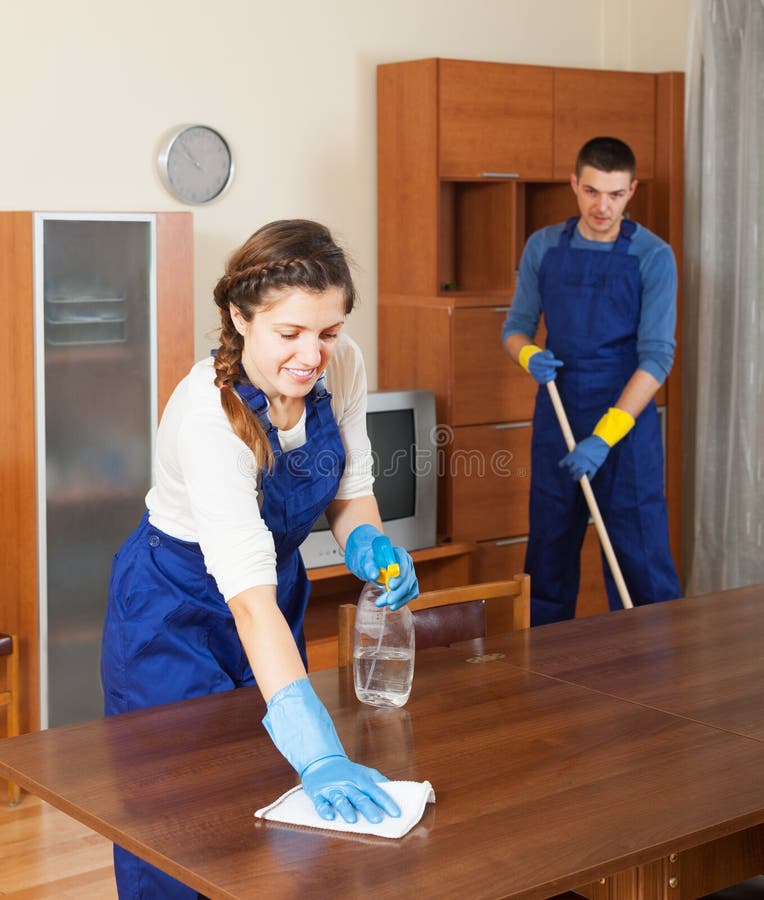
(302, 729)
(359, 558)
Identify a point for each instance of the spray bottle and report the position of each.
(383, 644)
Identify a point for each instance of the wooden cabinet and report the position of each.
(529, 122)
(589, 103)
(473, 157)
(92, 309)
(494, 119)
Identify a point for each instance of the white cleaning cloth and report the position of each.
(296, 808)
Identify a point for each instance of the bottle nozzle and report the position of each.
(385, 559)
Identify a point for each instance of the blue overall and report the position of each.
(169, 634)
(591, 304)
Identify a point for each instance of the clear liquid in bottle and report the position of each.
(383, 651)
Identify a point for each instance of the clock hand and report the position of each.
(187, 153)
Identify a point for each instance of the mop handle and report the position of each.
(592, 503)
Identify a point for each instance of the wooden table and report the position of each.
(543, 784)
(701, 658)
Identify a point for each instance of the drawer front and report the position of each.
(498, 560)
(489, 480)
(488, 386)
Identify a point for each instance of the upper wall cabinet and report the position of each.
(585, 99)
(495, 120)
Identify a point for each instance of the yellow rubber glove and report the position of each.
(614, 425)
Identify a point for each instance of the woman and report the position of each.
(209, 592)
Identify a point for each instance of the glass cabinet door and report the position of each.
(95, 306)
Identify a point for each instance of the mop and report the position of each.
(607, 547)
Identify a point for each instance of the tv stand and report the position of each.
(444, 565)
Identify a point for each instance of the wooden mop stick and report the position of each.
(607, 547)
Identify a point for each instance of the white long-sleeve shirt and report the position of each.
(206, 488)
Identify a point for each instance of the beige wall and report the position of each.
(89, 87)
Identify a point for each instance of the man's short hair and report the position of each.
(608, 154)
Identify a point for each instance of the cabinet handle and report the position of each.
(500, 309)
(502, 425)
(499, 174)
(508, 541)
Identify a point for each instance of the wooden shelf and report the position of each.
(428, 554)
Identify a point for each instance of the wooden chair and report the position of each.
(454, 614)
(9, 698)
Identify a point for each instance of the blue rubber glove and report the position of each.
(359, 558)
(303, 731)
(541, 364)
(586, 457)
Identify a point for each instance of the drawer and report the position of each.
(504, 558)
(497, 560)
(488, 483)
(487, 385)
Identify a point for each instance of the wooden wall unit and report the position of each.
(19, 611)
(18, 529)
(472, 158)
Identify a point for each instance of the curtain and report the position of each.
(723, 318)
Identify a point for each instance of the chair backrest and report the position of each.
(445, 616)
(9, 654)
(9, 697)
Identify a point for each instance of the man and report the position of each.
(607, 289)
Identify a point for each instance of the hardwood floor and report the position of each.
(44, 855)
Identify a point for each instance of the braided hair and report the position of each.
(290, 253)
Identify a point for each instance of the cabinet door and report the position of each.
(588, 103)
(487, 385)
(494, 118)
(95, 304)
(489, 481)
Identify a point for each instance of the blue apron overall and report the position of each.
(591, 302)
(169, 634)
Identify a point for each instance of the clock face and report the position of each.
(196, 164)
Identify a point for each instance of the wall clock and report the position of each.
(195, 163)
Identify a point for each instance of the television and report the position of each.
(401, 428)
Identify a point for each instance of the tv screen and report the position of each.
(401, 426)
(393, 450)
